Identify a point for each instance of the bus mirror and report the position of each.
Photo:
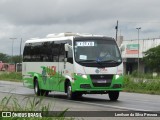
(65, 59)
(122, 47)
(66, 47)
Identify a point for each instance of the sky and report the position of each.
(25, 19)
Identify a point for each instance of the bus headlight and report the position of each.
(82, 75)
(117, 76)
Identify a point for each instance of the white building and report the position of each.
(131, 53)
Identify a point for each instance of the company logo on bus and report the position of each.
(97, 71)
(48, 71)
(101, 70)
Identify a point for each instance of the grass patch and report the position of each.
(11, 76)
(144, 75)
(141, 85)
(29, 105)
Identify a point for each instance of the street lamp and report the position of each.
(138, 48)
(12, 47)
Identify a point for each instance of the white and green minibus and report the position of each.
(73, 63)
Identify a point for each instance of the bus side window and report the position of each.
(61, 53)
(27, 53)
(70, 56)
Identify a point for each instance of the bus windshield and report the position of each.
(97, 51)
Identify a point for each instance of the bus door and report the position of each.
(61, 64)
(65, 65)
(53, 67)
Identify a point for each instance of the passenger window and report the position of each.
(70, 56)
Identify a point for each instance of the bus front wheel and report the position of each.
(70, 95)
(113, 95)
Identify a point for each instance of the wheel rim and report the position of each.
(69, 92)
(36, 88)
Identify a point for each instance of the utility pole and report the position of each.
(12, 47)
(116, 30)
(138, 49)
(20, 51)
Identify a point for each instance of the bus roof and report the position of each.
(63, 36)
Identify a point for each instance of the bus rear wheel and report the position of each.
(113, 95)
(38, 91)
(44, 93)
(36, 88)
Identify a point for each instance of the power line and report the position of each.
(140, 22)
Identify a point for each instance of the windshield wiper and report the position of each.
(87, 61)
(110, 61)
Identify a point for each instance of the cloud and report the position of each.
(37, 18)
(40, 12)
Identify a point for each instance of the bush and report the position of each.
(144, 75)
(28, 104)
(11, 76)
(141, 85)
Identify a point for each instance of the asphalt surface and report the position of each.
(94, 102)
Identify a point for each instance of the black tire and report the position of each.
(78, 95)
(113, 95)
(44, 93)
(70, 95)
(37, 91)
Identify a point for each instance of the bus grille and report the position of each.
(101, 80)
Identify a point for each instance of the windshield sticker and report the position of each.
(85, 44)
(83, 57)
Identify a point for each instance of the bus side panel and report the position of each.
(61, 76)
(67, 72)
(28, 81)
(27, 78)
(46, 74)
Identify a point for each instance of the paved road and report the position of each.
(126, 101)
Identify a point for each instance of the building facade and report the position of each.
(134, 52)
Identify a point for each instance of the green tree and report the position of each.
(9, 59)
(17, 59)
(4, 58)
(152, 58)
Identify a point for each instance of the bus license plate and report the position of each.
(101, 81)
